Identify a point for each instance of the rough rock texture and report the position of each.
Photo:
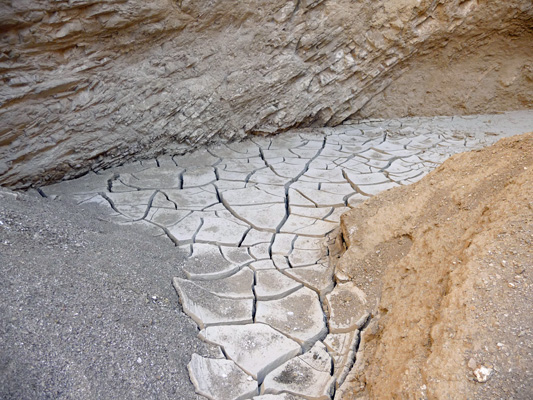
(448, 263)
(464, 77)
(87, 84)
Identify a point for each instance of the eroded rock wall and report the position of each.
(88, 84)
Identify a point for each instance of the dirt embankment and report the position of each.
(448, 264)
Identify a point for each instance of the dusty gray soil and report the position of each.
(87, 309)
(448, 263)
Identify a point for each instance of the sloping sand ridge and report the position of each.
(447, 261)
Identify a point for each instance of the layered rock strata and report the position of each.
(90, 84)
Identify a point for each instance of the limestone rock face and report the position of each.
(88, 84)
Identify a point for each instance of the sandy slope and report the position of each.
(448, 263)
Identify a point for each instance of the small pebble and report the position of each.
(482, 374)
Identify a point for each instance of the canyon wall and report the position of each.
(89, 84)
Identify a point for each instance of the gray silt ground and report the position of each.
(87, 309)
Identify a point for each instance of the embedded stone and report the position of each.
(219, 379)
(272, 284)
(256, 348)
(298, 315)
(207, 309)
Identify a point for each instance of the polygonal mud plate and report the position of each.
(298, 315)
(256, 348)
(219, 379)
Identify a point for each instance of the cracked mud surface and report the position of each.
(257, 223)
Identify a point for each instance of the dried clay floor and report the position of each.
(258, 220)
